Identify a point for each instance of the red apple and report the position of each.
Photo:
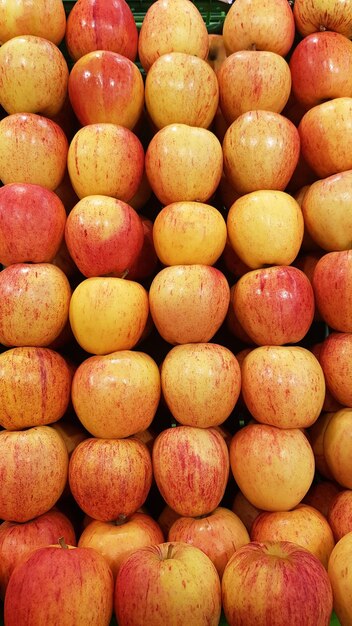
(166, 584)
(101, 25)
(312, 16)
(106, 87)
(78, 587)
(172, 26)
(17, 540)
(321, 495)
(286, 463)
(43, 18)
(274, 305)
(32, 224)
(340, 577)
(103, 236)
(184, 163)
(332, 280)
(110, 477)
(340, 514)
(338, 447)
(330, 403)
(33, 149)
(261, 151)
(266, 582)
(191, 468)
(336, 361)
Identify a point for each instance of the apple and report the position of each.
(34, 304)
(189, 233)
(340, 514)
(184, 163)
(261, 150)
(200, 383)
(330, 403)
(253, 223)
(319, 15)
(336, 361)
(33, 467)
(116, 395)
(65, 191)
(142, 195)
(321, 495)
(245, 510)
(108, 314)
(166, 584)
(325, 211)
(32, 224)
(216, 53)
(271, 579)
(191, 469)
(105, 159)
(33, 76)
(227, 194)
(172, 26)
(78, 586)
(146, 263)
(181, 88)
(286, 462)
(17, 540)
(43, 18)
(303, 525)
(71, 433)
(33, 149)
(188, 303)
(106, 87)
(259, 25)
(35, 387)
(117, 539)
(340, 578)
(166, 518)
(321, 68)
(274, 305)
(232, 262)
(251, 80)
(326, 132)
(291, 383)
(332, 280)
(101, 25)
(110, 477)
(338, 446)
(218, 534)
(103, 236)
(316, 434)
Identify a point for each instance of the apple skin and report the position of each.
(33, 466)
(108, 314)
(303, 525)
(191, 469)
(109, 143)
(43, 18)
(274, 305)
(101, 25)
(166, 518)
(17, 540)
(325, 210)
(146, 263)
(181, 89)
(106, 87)
(184, 163)
(340, 514)
(32, 224)
(218, 534)
(340, 577)
(33, 76)
(78, 587)
(332, 280)
(189, 233)
(216, 53)
(321, 68)
(251, 80)
(291, 383)
(316, 15)
(201, 383)
(286, 460)
(110, 477)
(188, 303)
(34, 304)
(33, 149)
(103, 236)
(117, 540)
(253, 223)
(245, 510)
(326, 133)
(257, 25)
(316, 434)
(166, 584)
(277, 579)
(336, 361)
(321, 495)
(35, 387)
(116, 395)
(261, 150)
(338, 446)
(330, 403)
(172, 26)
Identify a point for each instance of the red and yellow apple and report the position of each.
(43, 18)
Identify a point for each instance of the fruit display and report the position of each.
(175, 313)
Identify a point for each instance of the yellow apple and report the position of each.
(340, 574)
(43, 18)
(338, 447)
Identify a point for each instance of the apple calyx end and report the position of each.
(322, 28)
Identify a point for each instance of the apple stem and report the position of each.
(253, 47)
(169, 550)
(124, 274)
(120, 520)
(63, 543)
(322, 28)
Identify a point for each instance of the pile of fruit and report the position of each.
(176, 314)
